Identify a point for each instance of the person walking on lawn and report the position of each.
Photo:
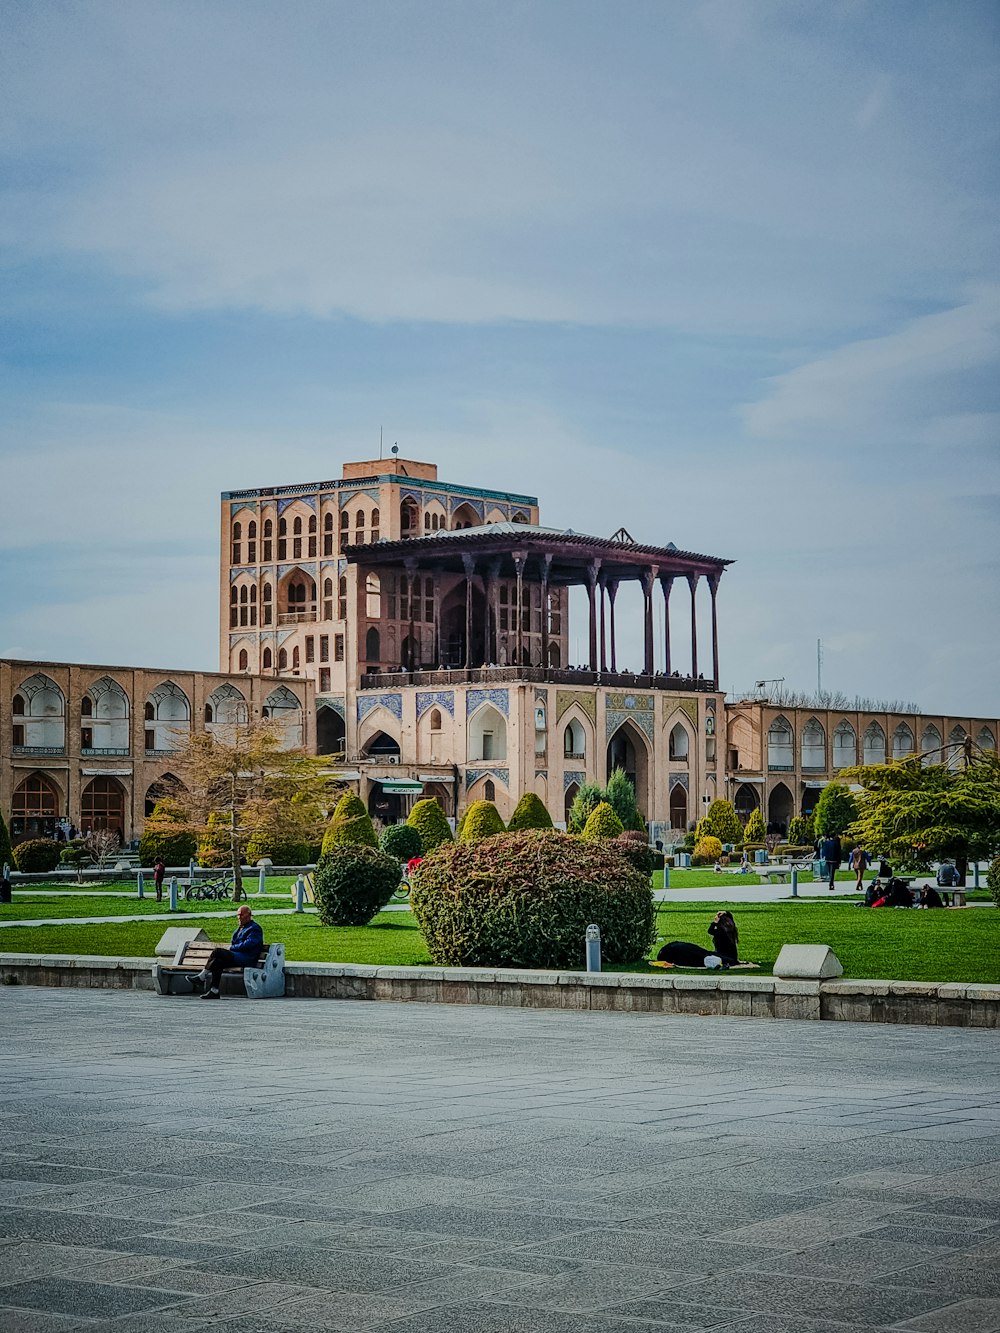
(244, 951)
(831, 853)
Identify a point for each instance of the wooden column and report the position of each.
(612, 594)
(519, 636)
(666, 583)
(604, 646)
(546, 570)
(648, 582)
(693, 585)
(713, 583)
(411, 573)
(593, 570)
(491, 648)
(469, 565)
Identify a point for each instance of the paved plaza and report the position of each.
(295, 1165)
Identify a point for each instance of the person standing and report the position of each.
(860, 861)
(832, 855)
(159, 871)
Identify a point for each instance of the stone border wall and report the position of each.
(929, 1003)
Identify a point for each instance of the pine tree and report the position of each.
(586, 800)
(722, 822)
(620, 795)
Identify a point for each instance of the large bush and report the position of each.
(603, 824)
(353, 883)
(637, 851)
(754, 830)
(37, 855)
(526, 900)
(722, 822)
(6, 851)
(350, 825)
(530, 812)
(585, 802)
(280, 851)
(993, 880)
(620, 795)
(482, 820)
(802, 830)
(835, 810)
(401, 841)
(428, 819)
(707, 851)
(165, 838)
(215, 843)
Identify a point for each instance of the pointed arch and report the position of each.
(747, 800)
(296, 597)
(986, 740)
(409, 518)
(41, 706)
(845, 745)
(679, 741)
(780, 808)
(226, 707)
(487, 735)
(35, 808)
(903, 742)
(168, 717)
(780, 746)
(464, 517)
(677, 807)
(930, 745)
(813, 746)
(628, 749)
(102, 806)
(569, 796)
(874, 744)
(284, 710)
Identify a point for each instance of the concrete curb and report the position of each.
(934, 1004)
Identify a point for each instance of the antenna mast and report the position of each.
(819, 666)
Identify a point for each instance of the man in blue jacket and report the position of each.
(244, 951)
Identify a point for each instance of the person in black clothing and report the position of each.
(725, 937)
(929, 897)
(831, 852)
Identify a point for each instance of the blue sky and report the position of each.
(724, 273)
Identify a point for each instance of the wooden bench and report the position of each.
(265, 980)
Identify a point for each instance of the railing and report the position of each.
(296, 617)
(574, 755)
(114, 751)
(39, 749)
(623, 680)
(160, 754)
(781, 768)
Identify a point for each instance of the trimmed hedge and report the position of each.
(482, 820)
(350, 825)
(529, 812)
(526, 900)
(37, 855)
(428, 819)
(353, 883)
(602, 824)
(401, 841)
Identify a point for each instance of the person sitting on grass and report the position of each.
(929, 897)
(244, 951)
(725, 937)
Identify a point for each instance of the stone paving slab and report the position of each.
(396, 1168)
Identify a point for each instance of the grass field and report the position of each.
(906, 946)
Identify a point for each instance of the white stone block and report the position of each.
(174, 936)
(809, 961)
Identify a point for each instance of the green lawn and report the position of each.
(27, 906)
(906, 946)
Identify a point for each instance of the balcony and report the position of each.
(574, 755)
(496, 675)
(39, 749)
(104, 751)
(297, 617)
(160, 754)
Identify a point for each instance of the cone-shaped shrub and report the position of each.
(602, 824)
(401, 841)
(482, 820)
(526, 900)
(993, 880)
(722, 822)
(353, 883)
(350, 825)
(165, 837)
(6, 854)
(529, 813)
(428, 819)
(754, 830)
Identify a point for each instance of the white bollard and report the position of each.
(191, 872)
(140, 882)
(261, 880)
(666, 874)
(300, 894)
(795, 882)
(173, 893)
(593, 948)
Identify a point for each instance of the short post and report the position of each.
(191, 873)
(140, 882)
(300, 894)
(173, 893)
(666, 874)
(593, 948)
(261, 879)
(975, 874)
(795, 881)
(6, 870)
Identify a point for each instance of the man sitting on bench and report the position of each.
(244, 951)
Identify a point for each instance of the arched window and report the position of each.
(86, 706)
(956, 747)
(168, 717)
(427, 523)
(295, 658)
(282, 538)
(328, 535)
(345, 522)
(312, 534)
(487, 735)
(209, 713)
(680, 743)
(244, 600)
(282, 659)
(375, 525)
(519, 516)
(267, 659)
(574, 740)
(359, 519)
(874, 744)
(252, 542)
(373, 597)
(244, 660)
(902, 742)
(813, 746)
(373, 646)
(228, 706)
(845, 745)
(237, 543)
(285, 712)
(409, 519)
(930, 745)
(342, 598)
(17, 706)
(268, 532)
(266, 599)
(253, 604)
(234, 608)
(297, 526)
(780, 746)
(149, 713)
(435, 719)
(102, 805)
(328, 599)
(312, 522)
(986, 740)
(34, 809)
(489, 790)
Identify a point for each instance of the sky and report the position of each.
(721, 271)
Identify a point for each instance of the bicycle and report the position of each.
(213, 890)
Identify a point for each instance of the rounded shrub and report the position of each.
(37, 855)
(174, 846)
(482, 820)
(526, 900)
(353, 883)
(707, 851)
(993, 880)
(602, 824)
(350, 825)
(637, 851)
(280, 851)
(428, 819)
(530, 812)
(401, 841)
